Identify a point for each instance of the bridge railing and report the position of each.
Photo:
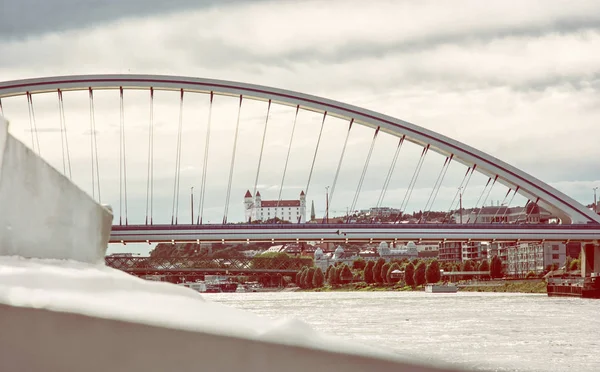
(341, 226)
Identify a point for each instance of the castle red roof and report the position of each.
(302, 193)
(248, 195)
(282, 203)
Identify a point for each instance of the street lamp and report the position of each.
(595, 209)
(192, 203)
(326, 204)
(460, 203)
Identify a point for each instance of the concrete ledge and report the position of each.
(42, 213)
(3, 135)
(42, 340)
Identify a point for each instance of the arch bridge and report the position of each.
(127, 93)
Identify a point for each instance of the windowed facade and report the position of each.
(256, 209)
(450, 251)
(523, 258)
(555, 254)
(536, 257)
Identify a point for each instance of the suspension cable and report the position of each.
(464, 190)
(523, 211)
(96, 150)
(388, 177)
(62, 138)
(316, 151)
(510, 202)
(408, 187)
(33, 125)
(501, 205)
(124, 155)
(469, 179)
(150, 175)
(441, 181)
(205, 163)
(364, 171)
(94, 145)
(416, 176)
(479, 199)
(237, 127)
(436, 188)
(532, 208)
(30, 122)
(124, 158)
(337, 172)
(437, 181)
(485, 199)
(458, 191)
(175, 210)
(412, 182)
(120, 155)
(287, 158)
(262, 147)
(179, 155)
(63, 135)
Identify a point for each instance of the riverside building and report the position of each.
(463, 251)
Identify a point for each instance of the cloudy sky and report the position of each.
(519, 80)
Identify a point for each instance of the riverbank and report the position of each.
(514, 286)
(509, 286)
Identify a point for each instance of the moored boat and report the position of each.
(240, 289)
(588, 287)
(441, 288)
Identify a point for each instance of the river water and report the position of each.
(481, 331)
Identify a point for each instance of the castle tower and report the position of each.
(302, 207)
(257, 200)
(248, 206)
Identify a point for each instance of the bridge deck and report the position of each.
(231, 233)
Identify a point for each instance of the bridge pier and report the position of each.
(590, 259)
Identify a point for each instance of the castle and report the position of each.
(256, 209)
